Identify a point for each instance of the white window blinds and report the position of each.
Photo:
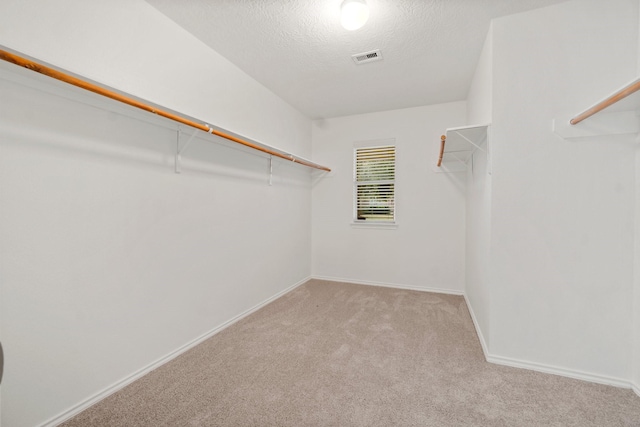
(374, 183)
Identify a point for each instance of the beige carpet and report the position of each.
(335, 354)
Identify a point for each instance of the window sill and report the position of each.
(373, 224)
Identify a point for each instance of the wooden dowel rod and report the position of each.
(621, 94)
(443, 139)
(58, 75)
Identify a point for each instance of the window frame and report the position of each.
(363, 223)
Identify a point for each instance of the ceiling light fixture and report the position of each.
(354, 14)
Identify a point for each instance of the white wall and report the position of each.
(111, 261)
(636, 306)
(427, 249)
(80, 37)
(563, 210)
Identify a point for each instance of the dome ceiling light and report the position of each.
(354, 14)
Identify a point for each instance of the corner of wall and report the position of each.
(483, 342)
(635, 355)
(478, 199)
(480, 97)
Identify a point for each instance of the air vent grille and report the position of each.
(363, 58)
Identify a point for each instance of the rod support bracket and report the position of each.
(180, 150)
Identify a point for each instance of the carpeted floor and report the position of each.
(336, 354)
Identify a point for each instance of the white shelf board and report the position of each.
(462, 142)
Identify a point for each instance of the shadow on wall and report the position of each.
(458, 179)
(129, 141)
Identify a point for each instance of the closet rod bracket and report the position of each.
(180, 150)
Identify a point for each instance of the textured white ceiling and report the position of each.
(299, 50)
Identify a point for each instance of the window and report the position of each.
(374, 184)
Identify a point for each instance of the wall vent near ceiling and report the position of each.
(362, 58)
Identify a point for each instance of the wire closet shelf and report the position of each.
(125, 99)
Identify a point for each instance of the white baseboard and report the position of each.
(555, 370)
(636, 388)
(483, 343)
(390, 285)
(547, 369)
(540, 367)
(75, 410)
(500, 360)
(64, 416)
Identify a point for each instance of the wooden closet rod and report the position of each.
(621, 94)
(47, 71)
(443, 140)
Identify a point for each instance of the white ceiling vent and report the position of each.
(362, 58)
